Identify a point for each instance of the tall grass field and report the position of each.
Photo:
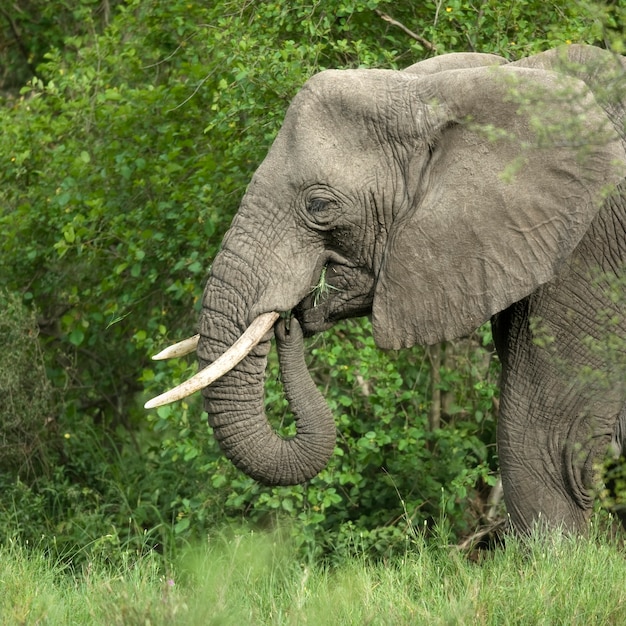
(251, 578)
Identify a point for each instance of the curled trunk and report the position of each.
(235, 405)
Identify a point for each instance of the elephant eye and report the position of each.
(317, 205)
(322, 211)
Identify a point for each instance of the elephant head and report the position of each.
(430, 199)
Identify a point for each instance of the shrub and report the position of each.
(27, 412)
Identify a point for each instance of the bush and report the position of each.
(27, 412)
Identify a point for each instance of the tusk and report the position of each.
(178, 349)
(251, 337)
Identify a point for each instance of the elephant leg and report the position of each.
(556, 424)
(549, 470)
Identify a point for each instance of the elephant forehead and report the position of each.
(320, 149)
(355, 107)
(311, 129)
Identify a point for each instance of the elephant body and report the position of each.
(460, 190)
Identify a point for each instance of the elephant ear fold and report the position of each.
(516, 174)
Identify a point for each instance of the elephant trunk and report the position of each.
(235, 402)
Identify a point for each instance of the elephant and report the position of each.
(460, 190)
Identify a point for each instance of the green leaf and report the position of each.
(69, 234)
(181, 525)
(77, 337)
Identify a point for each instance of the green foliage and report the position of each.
(29, 31)
(512, 29)
(253, 578)
(102, 498)
(124, 159)
(27, 408)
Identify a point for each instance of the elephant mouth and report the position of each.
(342, 291)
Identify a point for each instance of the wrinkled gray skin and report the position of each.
(434, 206)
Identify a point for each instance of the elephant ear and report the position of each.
(517, 171)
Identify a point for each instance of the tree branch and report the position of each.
(409, 32)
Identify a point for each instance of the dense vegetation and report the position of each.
(254, 579)
(129, 132)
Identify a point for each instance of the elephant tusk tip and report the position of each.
(165, 398)
(182, 348)
(153, 403)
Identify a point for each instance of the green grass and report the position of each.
(254, 579)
